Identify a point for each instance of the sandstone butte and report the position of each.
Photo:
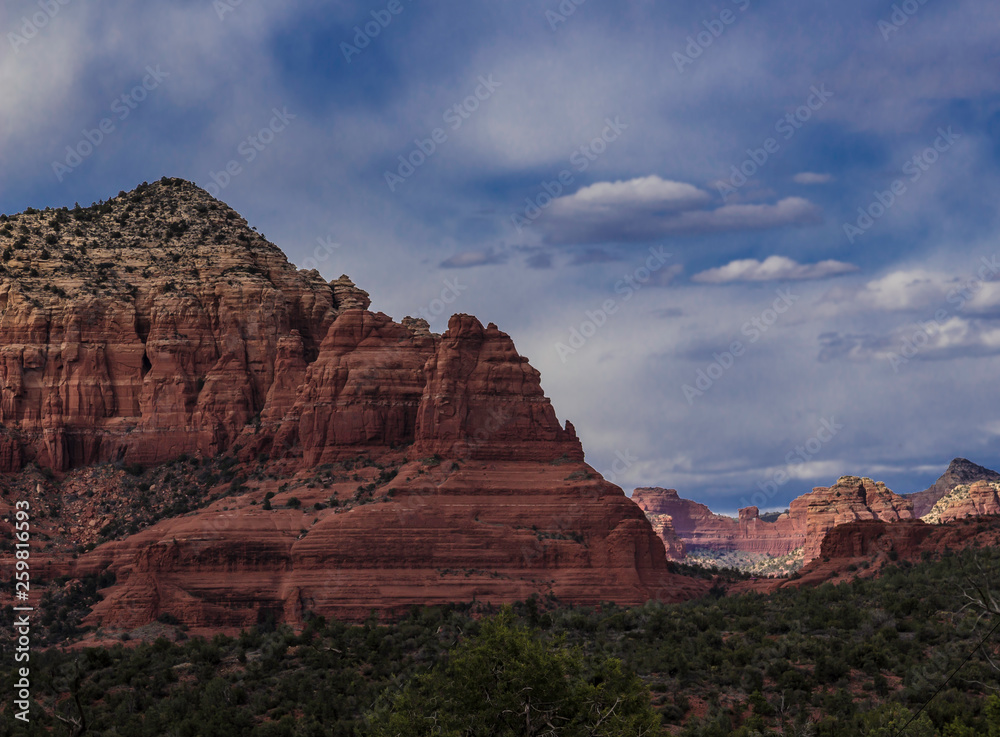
(159, 325)
(687, 524)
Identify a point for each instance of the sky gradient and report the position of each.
(751, 246)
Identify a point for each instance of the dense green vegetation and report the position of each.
(854, 659)
(508, 682)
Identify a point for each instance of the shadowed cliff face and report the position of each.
(160, 332)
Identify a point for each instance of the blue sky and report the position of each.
(658, 201)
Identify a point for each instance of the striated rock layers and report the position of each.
(849, 500)
(804, 525)
(491, 532)
(159, 324)
(960, 472)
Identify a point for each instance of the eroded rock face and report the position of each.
(483, 400)
(160, 324)
(143, 328)
(851, 499)
(960, 472)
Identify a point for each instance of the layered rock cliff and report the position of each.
(158, 326)
(849, 500)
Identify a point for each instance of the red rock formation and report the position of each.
(850, 499)
(960, 472)
(970, 500)
(776, 538)
(697, 526)
(862, 549)
(179, 355)
(495, 532)
(164, 325)
(483, 400)
(863, 539)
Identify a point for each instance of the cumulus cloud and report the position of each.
(773, 268)
(643, 192)
(810, 177)
(647, 208)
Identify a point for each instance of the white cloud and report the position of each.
(773, 268)
(809, 177)
(918, 289)
(646, 208)
(643, 192)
